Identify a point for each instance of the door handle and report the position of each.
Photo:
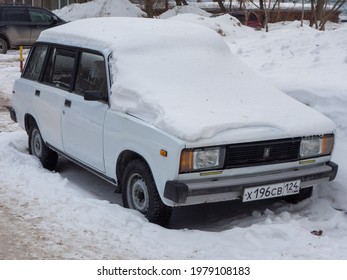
(67, 103)
(37, 92)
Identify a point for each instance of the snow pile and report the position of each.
(100, 8)
(185, 9)
(310, 65)
(225, 25)
(9, 68)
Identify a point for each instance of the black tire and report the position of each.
(139, 192)
(3, 46)
(302, 195)
(38, 148)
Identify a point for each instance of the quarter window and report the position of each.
(14, 15)
(34, 66)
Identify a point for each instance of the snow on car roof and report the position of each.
(183, 79)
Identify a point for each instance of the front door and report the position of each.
(82, 120)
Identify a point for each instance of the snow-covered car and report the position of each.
(164, 111)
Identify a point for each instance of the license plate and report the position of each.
(270, 191)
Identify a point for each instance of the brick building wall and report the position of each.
(48, 4)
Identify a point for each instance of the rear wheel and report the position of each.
(139, 192)
(38, 148)
(3, 46)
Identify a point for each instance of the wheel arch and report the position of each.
(29, 122)
(124, 158)
(2, 36)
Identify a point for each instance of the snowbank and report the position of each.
(100, 8)
(189, 9)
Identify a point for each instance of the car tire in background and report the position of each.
(3, 46)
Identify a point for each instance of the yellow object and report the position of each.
(21, 58)
(163, 153)
(186, 162)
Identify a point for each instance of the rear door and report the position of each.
(39, 20)
(16, 25)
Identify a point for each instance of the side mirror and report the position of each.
(54, 19)
(94, 95)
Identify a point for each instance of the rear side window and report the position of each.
(14, 15)
(40, 16)
(60, 68)
(252, 17)
(33, 69)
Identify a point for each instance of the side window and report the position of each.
(14, 14)
(60, 66)
(91, 74)
(40, 16)
(33, 68)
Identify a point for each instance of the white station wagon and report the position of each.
(162, 110)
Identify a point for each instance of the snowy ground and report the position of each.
(71, 214)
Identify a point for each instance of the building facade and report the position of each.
(48, 4)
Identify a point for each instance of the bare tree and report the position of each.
(328, 14)
(321, 13)
(313, 20)
(264, 14)
(320, 9)
(221, 6)
(302, 13)
(149, 8)
(181, 2)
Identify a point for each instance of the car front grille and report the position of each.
(259, 153)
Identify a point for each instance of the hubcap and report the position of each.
(138, 193)
(36, 144)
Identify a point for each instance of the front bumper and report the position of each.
(197, 192)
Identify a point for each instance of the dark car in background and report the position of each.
(22, 25)
(247, 18)
(250, 19)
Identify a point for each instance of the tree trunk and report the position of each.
(221, 6)
(302, 13)
(262, 13)
(149, 8)
(181, 2)
(313, 20)
(320, 9)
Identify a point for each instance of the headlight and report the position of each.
(317, 146)
(201, 159)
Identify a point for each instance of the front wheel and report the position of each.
(38, 148)
(139, 192)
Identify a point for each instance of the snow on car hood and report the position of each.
(183, 79)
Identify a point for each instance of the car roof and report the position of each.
(122, 33)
